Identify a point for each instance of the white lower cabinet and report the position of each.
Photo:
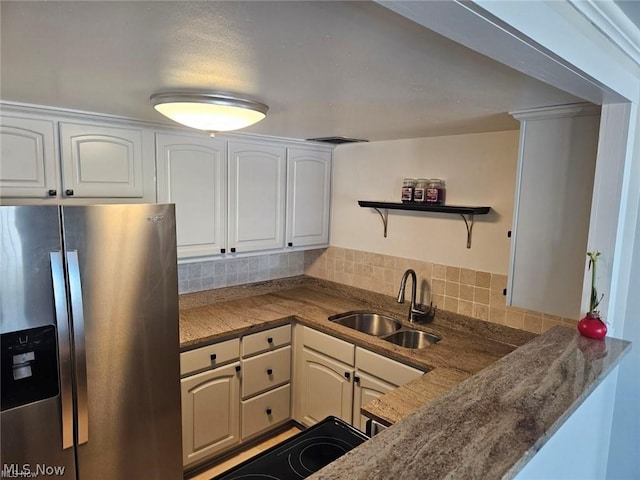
(266, 411)
(266, 380)
(376, 375)
(333, 377)
(233, 391)
(210, 410)
(367, 388)
(238, 389)
(324, 388)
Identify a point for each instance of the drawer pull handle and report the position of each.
(268, 411)
(213, 357)
(269, 371)
(237, 368)
(269, 340)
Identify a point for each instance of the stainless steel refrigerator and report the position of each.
(90, 347)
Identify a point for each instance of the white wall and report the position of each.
(479, 170)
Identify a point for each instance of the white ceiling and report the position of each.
(324, 68)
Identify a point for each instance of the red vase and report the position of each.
(592, 327)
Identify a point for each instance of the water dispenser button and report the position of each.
(22, 365)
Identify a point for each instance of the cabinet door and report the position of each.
(192, 174)
(210, 413)
(101, 161)
(27, 158)
(257, 175)
(308, 197)
(325, 388)
(366, 389)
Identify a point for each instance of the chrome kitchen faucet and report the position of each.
(415, 313)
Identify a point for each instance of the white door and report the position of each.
(210, 412)
(257, 176)
(326, 388)
(366, 389)
(27, 158)
(101, 161)
(192, 174)
(308, 197)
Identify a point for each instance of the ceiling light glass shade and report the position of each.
(211, 112)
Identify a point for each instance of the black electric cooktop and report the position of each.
(301, 455)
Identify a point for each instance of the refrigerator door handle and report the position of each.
(64, 348)
(77, 314)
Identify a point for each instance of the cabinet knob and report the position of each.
(347, 375)
(52, 193)
(213, 357)
(223, 250)
(237, 368)
(356, 379)
(233, 249)
(269, 371)
(269, 340)
(290, 244)
(268, 411)
(68, 192)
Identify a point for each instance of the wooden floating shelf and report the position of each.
(425, 207)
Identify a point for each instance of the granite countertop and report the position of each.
(491, 425)
(490, 399)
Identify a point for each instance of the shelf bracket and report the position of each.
(385, 218)
(469, 225)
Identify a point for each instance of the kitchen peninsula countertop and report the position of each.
(490, 399)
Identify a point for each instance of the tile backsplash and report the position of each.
(227, 272)
(468, 292)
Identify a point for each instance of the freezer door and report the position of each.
(36, 422)
(124, 303)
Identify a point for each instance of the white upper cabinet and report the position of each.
(28, 157)
(257, 177)
(554, 188)
(101, 161)
(192, 173)
(308, 197)
(49, 155)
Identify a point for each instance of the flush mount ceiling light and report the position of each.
(214, 112)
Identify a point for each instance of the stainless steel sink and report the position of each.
(412, 338)
(368, 322)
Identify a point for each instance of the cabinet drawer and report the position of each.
(209, 356)
(328, 345)
(266, 371)
(267, 340)
(266, 411)
(384, 368)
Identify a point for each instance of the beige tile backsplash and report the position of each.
(461, 290)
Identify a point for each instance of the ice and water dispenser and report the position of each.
(29, 366)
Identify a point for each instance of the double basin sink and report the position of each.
(386, 328)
